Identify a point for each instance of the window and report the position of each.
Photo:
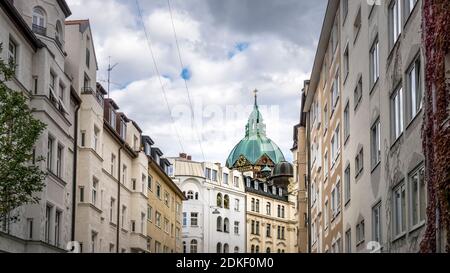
(113, 114)
(83, 138)
(124, 216)
(150, 183)
(334, 37)
(347, 182)
(375, 139)
(236, 249)
(325, 215)
(325, 165)
(166, 226)
(225, 178)
(48, 215)
(208, 173)
(185, 219)
(219, 224)
(158, 219)
(219, 248)
(338, 196)
(268, 230)
(81, 194)
(39, 22)
(88, 58)
(194, 219)
(157, 247)
(50, 154)
(226, 202)
(374, 63)
(418, 197)
(376, 223)
(111, 209)
(93, 241)
(414, 89)
(123, 129)
(358, 93)
(257, 205)
(397, 113)
(252, 229)
(399, 209)
(113, 164)
(59, 34)
(256, 184)
(94, 191)
(59, 161)
(194, 246)
(268, 209)
(219, 200)
(335, 93)
(58, 216)
(237, 205)
(124, 174)
(395, 24)
(357, 25)
(133, 226)
(360, 236)
(347, 121)
(149, 213)
(158, 191)
(325, 118)
(30, 228)
(335, 145)
(236, 182)
(166, 198)
(257, 228)
(96, 138)
(214, 175)
(12, 52)
(226, 225)
(348, 241)
(359, 162)
(346, 63)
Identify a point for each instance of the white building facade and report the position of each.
(214, 214)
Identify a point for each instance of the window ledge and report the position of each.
(414, 119)
(392, 49)
(416, 227)
(396, 141)
(375, 167)
(374, 86)
(346, 140)
(410, 15)
(398, 237)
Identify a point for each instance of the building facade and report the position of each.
(164, 211)
(33, 37)
(214, 213)
(377, 167)
(271, 218)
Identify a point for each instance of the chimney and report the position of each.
(189, 157)
(183, 155)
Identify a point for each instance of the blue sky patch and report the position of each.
(239, 47)
(186, 74)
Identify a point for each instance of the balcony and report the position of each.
(87, 90)
(39, 30)
(90, 91)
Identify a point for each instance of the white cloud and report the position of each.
(273, 63)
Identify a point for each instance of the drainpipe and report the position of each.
(118, 199)
(308, 178)
(75, 170)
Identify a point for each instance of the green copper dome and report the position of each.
(256, 148)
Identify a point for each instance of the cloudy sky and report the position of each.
(228, 49)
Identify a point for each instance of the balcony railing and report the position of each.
(39, 30)
(87, 90)
(90, 91)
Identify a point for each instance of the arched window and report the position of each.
(219, 248)
(226, 202)
(253, 249)
(257, 205)
(268, 209)
(236, 250)
(190, 195)
(226, 225)
(39, 19)
(194, 246)
(257, 249)
(226, 248)
(219, 224)
(59, 32)
(196, 196)
(184, 247)
(219, 200)
(268, 250)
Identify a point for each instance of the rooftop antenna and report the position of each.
(110, 68)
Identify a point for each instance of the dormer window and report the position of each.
(39, 21)
(248, 182)
(256, 185)
(280, 192)
(112, 118)
(123, 129)
(147, 148)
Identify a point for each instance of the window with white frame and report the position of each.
(374, 62)
(346, 68)
(347, 121)
(408, 7)
(59, 161)
(395, 21)
(347, 184)
(194, 219)
(338, 196)
(325, 118)
(325, 165)
(335, 93)
(397, 113)
(12, 52)
(376, 223)
(335, 145)
(95, 185)
(375, 140)
(325, 215)
(417, 196)
(413, 85)
(360, 232)
(225, 178)
(358, 93)
(348, 241)
(399, 213)
(359, 162)
(50, 150)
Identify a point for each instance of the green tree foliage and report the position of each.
(20, 177)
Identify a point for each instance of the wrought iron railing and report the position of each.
(39, 30)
